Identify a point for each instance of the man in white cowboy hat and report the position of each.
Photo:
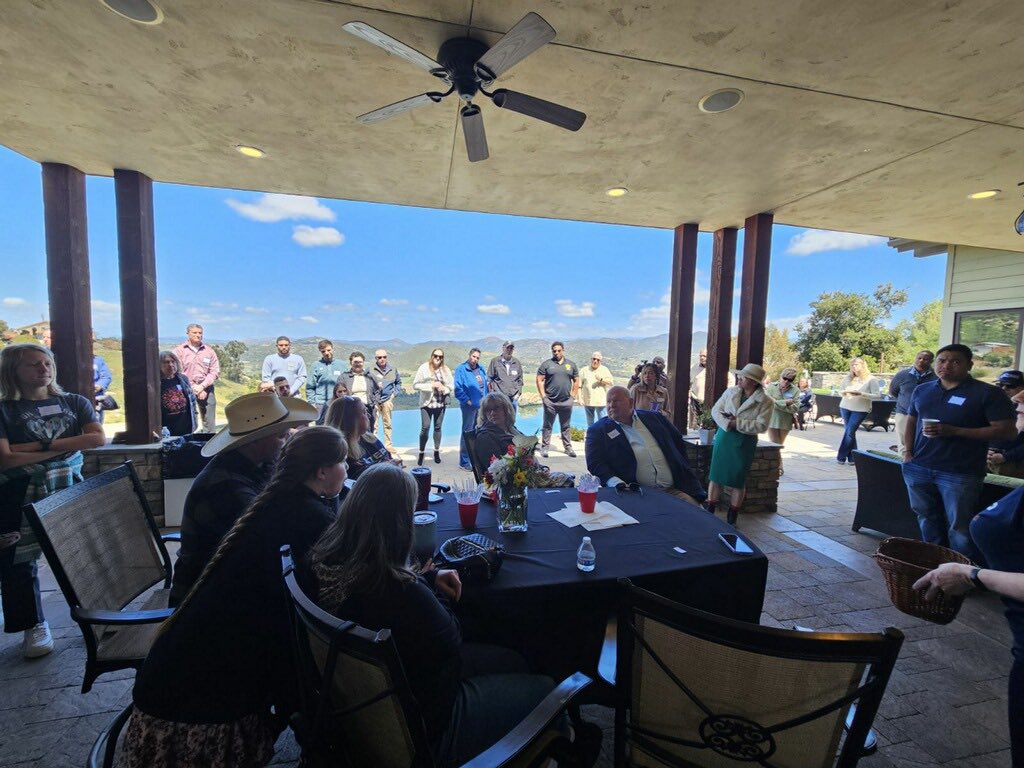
(244, 453)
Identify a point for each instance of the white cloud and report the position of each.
(223, 305)
(451, 329)
(787, 323)
(275, 207)
(493, 309)
(334, 307)
(309, 319)
(542, 325)
(394, 302)
(822, 240)
(568, 308)
(311, 237)
(14, 301)
(425, 308)
(99, 306)
(257, 310)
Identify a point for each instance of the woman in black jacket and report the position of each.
(204, 694)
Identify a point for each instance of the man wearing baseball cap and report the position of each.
(244, 453)
(505, 374)
(1011, 382)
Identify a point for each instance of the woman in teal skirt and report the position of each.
(742, 412)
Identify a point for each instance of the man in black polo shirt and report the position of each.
(557, 384)
(949, 425)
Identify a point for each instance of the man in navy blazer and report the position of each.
(642, 447)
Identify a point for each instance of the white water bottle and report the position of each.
(586, 557)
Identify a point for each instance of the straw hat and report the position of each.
(254, 416)
(752, 371)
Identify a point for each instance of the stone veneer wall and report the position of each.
(762, 482)
(147, 462)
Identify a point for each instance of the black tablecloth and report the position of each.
(555, 614)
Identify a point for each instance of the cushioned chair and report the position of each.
(356, 707)
(880, 415)
(695, 689)
(478, 471)
(106, 552)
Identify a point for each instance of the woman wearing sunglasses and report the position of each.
(434, 382)
(786, 398)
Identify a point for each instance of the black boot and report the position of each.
(419, 461)
(709, 506)
(437, 456)
(731, 515)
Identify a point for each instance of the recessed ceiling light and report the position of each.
(984, 194)
(720, 101)
(250, 151)
(616, 192)
(139, 11)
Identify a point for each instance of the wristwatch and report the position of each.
(976, 581)
(45, 444)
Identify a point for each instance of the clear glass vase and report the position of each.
(512, 509)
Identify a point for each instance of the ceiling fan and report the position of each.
(468, 67)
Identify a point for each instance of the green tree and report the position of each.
(230, 356)
(923, 330)
(779, 353)
(854, 324)
(827, 356)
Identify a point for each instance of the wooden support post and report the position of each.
(67, 275)
(680, 323)
(757, 248)
(723, 273)
(137, 261)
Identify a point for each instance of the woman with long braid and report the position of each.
(205, 692)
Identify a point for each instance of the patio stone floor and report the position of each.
(945, 703)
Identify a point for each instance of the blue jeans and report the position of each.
(851, 423)
(944, 503)
(468, 425)
(594, 412)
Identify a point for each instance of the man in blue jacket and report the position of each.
(470, 387)
(640, 448)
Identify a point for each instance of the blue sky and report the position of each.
(249, 265)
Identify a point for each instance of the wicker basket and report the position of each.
(904, 561)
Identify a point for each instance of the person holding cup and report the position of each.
(950, 423)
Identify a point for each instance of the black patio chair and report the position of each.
(105, 747)
(106, 551)
(357, 709)
(696, 689)
(478, 471)
(880, 415)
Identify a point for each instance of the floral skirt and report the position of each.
(150, 742)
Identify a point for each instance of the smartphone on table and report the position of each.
(735, 544)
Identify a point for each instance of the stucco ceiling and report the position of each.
(874, 116)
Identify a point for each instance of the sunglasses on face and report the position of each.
(382, 357)
(785, 379)
(439, 357)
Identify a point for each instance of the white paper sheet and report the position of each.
(605, 515)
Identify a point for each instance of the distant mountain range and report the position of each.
(620, 355)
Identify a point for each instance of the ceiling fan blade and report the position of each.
(549, 112)
(389, 44)
(399, 107)
(519, 42)
(473, 130)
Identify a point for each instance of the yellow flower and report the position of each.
(520, 478)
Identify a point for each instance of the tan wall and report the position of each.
(978, 279)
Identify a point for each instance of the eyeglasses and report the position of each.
(595, 358)
(629, 488)
(787, 379)
(382, 357)
(439, 357)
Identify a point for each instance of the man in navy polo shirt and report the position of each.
(949, 425)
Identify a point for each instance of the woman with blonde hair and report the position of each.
(470, 695)
(742, 413)
(495, 431)
(177, 400)
(348, 415)
(435, 382)
(223, 659)
(858, 389)
(42, 431)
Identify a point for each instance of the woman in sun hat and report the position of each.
(742, 412)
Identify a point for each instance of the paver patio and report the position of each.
(945, 704)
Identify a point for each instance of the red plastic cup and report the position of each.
(587, 501)
(467, 514)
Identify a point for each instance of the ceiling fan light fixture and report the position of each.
(139, 11)
(1018, 225)
(984, 194)
(250, 151)
(721, 100)
(616, 192)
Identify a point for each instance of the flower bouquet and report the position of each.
(512, 474)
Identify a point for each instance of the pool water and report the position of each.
(406, 425)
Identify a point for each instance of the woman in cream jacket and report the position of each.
(858, 390)
(742, 412)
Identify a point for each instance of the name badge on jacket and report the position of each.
(613, 434)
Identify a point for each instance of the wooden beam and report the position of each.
(680, 324)
(757, 252)
(723, 274)
(67, 275)
(139, 345)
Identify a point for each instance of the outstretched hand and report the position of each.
(948, 578)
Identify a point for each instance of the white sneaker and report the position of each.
(38, 641)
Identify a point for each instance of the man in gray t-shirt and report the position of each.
(557, 384)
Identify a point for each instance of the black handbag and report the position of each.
(474, 557)
(107, 403)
